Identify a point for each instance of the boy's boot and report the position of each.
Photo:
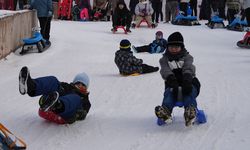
(50, 102)
(26, 84)
(128, 29)
(189, 115)
(163, 113)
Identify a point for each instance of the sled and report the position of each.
(8, 141)
(35, 42)
(189, 20)
(144, 21)
(200, 115)
(237, 24)
(119, 27)
(216, 22)
(51, 116)
(245, 42)
(134, 74)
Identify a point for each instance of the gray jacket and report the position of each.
(43, 7)
(185, 64)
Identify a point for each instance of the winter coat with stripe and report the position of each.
(127, 63)
(177, 66)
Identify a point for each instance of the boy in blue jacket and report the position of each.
(69, 101)
(157, 46)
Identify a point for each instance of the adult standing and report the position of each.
(44, 14)
(171, 10)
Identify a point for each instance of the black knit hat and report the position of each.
(125, 45)
(176, 39)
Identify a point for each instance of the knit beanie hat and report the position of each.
(176, 39)
(125, 45)
(158, 35)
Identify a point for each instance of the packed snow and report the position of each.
(122, 113)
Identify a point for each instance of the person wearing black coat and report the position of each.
(122, 16)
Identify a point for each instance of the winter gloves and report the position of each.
(187, 84)
(172, 81)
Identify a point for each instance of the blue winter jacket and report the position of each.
(158, 46)
(43, 7)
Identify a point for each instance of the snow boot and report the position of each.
(163, 113)
(49, 101)
(26, 84)
(190, 115)
(134, 48)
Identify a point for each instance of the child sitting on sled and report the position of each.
(178, 72)
(121, 16)
(144, 11)
(157, 46)
(129, 64)
(69, 101)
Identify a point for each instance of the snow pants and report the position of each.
(72, 102)
(169, 99)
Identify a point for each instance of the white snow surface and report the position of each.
(122, 113)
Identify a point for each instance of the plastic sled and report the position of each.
(237, 24)
(51, 116)
(134, 74)
(200, 116)
(189, 20)
(216, 22)
(37, 41)
(144, 21)
(8, 141)
(119, 27)
(245, 42)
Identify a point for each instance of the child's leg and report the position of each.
(149, 20)
(72, 103)
(46, 85)
(190, 100)
(148, 69)
(145, 48)
(168, 100)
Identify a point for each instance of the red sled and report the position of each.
(51, 116)
(64, 9)
(119, 27)
(245, 43)
(143, 21)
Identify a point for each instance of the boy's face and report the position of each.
(174, 49)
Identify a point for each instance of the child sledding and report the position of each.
(143, 12)
(60, 102)
(181, 84)
(129, 64)
(157, 46)
(121, 18)
(185, 17)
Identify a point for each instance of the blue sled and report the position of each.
(200, 116)
(189, 20)
(237, 24)
(36, 40)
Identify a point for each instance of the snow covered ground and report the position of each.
(122, 114)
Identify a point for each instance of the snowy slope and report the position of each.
(122, 113)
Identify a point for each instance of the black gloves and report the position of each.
(172, 81)
(187, 84)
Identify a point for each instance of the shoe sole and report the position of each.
(23, 77)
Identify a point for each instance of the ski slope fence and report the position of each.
(13, 28)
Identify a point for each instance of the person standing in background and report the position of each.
(171, 10)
